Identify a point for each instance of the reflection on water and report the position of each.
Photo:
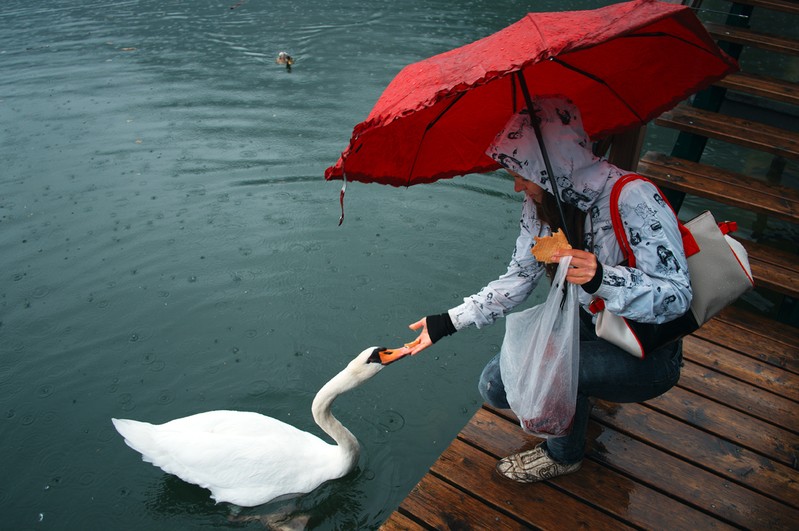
(168, 246)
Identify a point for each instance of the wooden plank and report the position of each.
(740, 367)
(731, 188)
(742, 396)
(727, 423)
(683, 481)
(746, 37)
(754, 338)
(767, 87)
(770, 255)
(784, 333)
(539, 504)
(715, 495)
(613, 493)
(739, 131)
(399, 522)
(786, 6)
(701, 449)
(431, 495)
(772, 268)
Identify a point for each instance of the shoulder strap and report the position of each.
(688, 241)
(615, 217)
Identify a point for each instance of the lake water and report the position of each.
(168, 246)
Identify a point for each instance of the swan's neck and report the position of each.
(322, 403)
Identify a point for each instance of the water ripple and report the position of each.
(391, 420)
(165, 397)
(45, 390)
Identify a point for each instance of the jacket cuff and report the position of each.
(439, 326)
(593, 285)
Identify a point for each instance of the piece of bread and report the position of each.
(546, 246)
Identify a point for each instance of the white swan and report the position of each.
(248, 459)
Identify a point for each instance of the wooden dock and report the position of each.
(721, 449)
(718, 451)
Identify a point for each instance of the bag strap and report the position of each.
(689, 243)
(615, 217)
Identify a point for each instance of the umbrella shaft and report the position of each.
(544, 154)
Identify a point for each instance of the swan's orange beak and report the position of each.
(386, 356)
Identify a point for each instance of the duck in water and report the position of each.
(285, 59)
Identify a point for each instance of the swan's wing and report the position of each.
(244, 423)
(243, 458)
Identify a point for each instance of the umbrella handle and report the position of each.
(544, 154)
(341, 197)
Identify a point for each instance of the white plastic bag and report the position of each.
(539, 360)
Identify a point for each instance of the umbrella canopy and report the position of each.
(622, 65)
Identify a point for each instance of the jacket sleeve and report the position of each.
(658, 288)
(512, 288)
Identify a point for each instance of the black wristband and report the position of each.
(439, 326)
(592, 285)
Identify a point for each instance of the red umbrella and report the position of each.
(622, 65)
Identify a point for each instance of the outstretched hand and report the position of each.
(421, 342)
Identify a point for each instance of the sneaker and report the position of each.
(533, 465)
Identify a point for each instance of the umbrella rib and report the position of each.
(598, 80)
(426, 129)
(654, 34)
(437, 118)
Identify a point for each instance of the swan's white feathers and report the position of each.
(212, 449)
(242, 457)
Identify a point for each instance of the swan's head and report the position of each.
(367, 364)
(386, 356)
(363, 367)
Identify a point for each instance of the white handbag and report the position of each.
(720, 273)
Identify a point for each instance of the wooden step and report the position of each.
(786, 334)
(766, 476)
(786, 6)
(741, 396)
(723, 186)
(757, 336)
(773, 269)
(731, 461)
(730, 361)
(746, 37)
(767, 87)
(762, 437)
(746, 133)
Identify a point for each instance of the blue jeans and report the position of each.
(607, 373)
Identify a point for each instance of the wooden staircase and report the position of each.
(684, 172)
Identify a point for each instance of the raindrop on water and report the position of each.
(165, 397)
(41, 292)
(44, 391)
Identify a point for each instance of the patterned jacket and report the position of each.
(657, 290)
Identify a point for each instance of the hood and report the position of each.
(582, 177)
